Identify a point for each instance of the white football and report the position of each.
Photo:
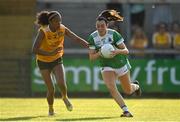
(106, 50)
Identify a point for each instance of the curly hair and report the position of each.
(43, 17)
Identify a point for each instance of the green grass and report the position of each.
(35, 109)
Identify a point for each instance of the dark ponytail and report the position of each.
(111, 15)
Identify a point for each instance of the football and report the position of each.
(106, 50)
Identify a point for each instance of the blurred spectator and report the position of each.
(176, 35)
(161, 38)
(139, 39)
(174, 28)
(162, 13)
(137, 15)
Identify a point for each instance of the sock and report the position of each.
(65, 97)
(51, 110)
(136, 86)
(50, 107)
(124, 108)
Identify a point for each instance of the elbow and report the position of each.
(127, 52)
(91, 58)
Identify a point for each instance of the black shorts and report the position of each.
(49, 65)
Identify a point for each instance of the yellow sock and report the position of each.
(65, 97)
(51, 107)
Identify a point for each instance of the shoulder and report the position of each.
(63, 26)
(168, 34)
(44, 28)
(94, 34)
(156, 34)
(111, 31)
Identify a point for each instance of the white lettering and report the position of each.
(173, 76)
(38, 81)
(93, 76)
(38, 78)
(76, 73)
(97, 80)
(149, 68)
(135, 73)
(160, 75)
(37, 72)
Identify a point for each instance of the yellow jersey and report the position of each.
(161, 39)
(52, 41)
(176, 39)
(139, 43)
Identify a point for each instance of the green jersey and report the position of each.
(114, 38)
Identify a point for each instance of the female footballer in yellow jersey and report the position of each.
(49, 49)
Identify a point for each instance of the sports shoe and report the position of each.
(138, 92)
(51, 112)
(126, 114)
(68, 104)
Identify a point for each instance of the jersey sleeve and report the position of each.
(117, 38)
(91, 42)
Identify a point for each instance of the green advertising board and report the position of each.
(161, 75)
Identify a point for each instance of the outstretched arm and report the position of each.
(75, 38)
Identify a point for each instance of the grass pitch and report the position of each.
(36, 109)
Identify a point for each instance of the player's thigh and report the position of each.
(109, 78)
(46, 75)
(59, 73)
(125, 82)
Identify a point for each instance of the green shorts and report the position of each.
(49, 65)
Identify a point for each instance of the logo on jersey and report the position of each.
(110, 40)
(98, 43)
(107, 40)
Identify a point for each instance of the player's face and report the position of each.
(56, 22)
(101, 27)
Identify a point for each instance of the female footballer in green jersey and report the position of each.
(116, 67)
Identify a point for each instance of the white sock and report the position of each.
(124, 108)
(134, 87)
